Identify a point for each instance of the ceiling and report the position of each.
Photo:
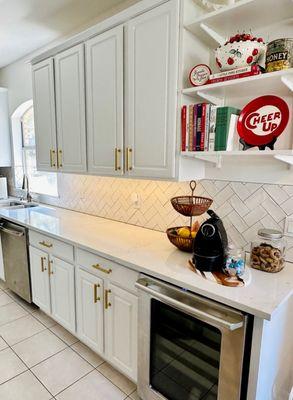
(27, 25)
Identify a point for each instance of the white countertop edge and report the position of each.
(261, 313)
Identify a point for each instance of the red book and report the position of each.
(235, 76)
(183, 128)
(203, 126)
(194, 127)
(190, 127)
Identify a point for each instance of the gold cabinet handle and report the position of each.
(59, 159)
(96, 297)
(128, 158)
(52, 158)
(117, 159)
(43, 268)
(50, 270)
(107, 303)
(43, 243)
(99, 268)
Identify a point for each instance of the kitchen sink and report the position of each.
(17, 204)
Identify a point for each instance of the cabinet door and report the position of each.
(89, 303)
(44, 115)
(2, 273)
(70, 109)
(62, 292)
(104, 80)
(121, 329)
(151, 97)
(40, 279)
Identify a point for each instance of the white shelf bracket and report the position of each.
(210, 98)
(219, 161)
(213, 34)
(286, 159)
(288, 81)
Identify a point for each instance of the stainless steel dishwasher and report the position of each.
(16, 260)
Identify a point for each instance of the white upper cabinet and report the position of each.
(104, 83)
(116, 100)
(151, 92)
(44, 114)
(70, 109)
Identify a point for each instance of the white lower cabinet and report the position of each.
(101, 291)
(53, 288)
(121, 329)
(62, 292)
(40, 279)
(107, 311)
(90, 313)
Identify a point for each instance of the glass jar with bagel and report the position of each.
(268, 251)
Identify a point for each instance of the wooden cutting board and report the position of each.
(221, 278)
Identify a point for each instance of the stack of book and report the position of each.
(205, 127)
(238, 73)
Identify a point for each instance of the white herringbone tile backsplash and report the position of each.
(244, 207)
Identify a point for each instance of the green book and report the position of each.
(222, 126)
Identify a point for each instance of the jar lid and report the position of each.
(270, 233)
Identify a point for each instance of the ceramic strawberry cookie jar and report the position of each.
(241, 50)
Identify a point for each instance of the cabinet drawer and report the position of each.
(104, 268)
(51, 246)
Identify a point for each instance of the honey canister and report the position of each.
(279, 55)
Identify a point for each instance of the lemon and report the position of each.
(184, 232)
(193, 234)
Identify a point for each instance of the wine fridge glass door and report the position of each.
(184, 355)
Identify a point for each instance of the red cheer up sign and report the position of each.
(262, 120)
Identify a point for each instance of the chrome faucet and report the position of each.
(25, 186)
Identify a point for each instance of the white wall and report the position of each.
(17, 79)
(17, 76)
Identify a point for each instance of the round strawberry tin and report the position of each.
(261, 121)
(199, 75)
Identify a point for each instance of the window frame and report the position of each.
(19, 148)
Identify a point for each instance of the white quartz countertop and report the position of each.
(151, 253)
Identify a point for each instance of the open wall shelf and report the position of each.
(202, 32)
(216, 157)
(278, 82)
(213, 28)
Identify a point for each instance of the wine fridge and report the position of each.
(190, 347)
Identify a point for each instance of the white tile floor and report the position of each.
(40, 360)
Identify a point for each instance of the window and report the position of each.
(24, 149)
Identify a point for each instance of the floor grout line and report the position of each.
(28, 369)
(112, 381)
(46, 359)
(69, 345)
(127, 396)
(75, 382)
(80, 355)
(22, 340)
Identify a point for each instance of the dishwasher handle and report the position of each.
(199, 313)
(11, 231)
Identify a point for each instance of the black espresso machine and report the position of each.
(210, 244)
